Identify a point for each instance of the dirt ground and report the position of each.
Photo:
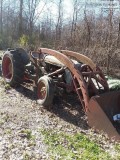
(19, 113)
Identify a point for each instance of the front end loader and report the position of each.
(50, 71)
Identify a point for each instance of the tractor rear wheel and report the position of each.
(12, 68)
(45, 91)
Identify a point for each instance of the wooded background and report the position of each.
(87, 30)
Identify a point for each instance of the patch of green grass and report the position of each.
(78, 146)
(8, 131)
(117, 148)
(32, 143)
(7, 86)
(1, 122)
(3, 118)
(26, 156)
(114, 84)
(28, 134)
(2, 81)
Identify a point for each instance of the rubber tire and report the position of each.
(24, 55)
(17, 67)
(50, 89)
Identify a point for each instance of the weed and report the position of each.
(114, 84)
(117, 148)
(1, 122)
(28, 134)
(26, 156)
(7, 86)
(2, 81)
(8, 131)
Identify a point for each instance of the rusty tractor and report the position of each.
(71, 71)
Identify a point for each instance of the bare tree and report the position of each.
(30, 13)
(118, 37)
(59, 22)
(1, 17)
(21, 18)
(87, 27)
(74, 22)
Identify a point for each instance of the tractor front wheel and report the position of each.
(45, 91)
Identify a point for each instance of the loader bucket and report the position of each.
(100, 113)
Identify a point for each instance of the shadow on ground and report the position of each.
(26, 92)
(69, 109)
(0, 71)
(66, 107)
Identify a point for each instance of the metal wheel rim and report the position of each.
(7, 68)
(41, 91)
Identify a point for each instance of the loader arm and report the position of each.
(95, 69)
(75, 73)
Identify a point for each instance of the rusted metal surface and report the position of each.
(70, 65)
(79, 57)
(87, 61)
(101, 111)
(56, 72)
(77, 73)
(102, 79)
(77, 90)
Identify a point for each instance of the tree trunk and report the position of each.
(1, 17)
(21, 18)
(118, 37)
(88, 29)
